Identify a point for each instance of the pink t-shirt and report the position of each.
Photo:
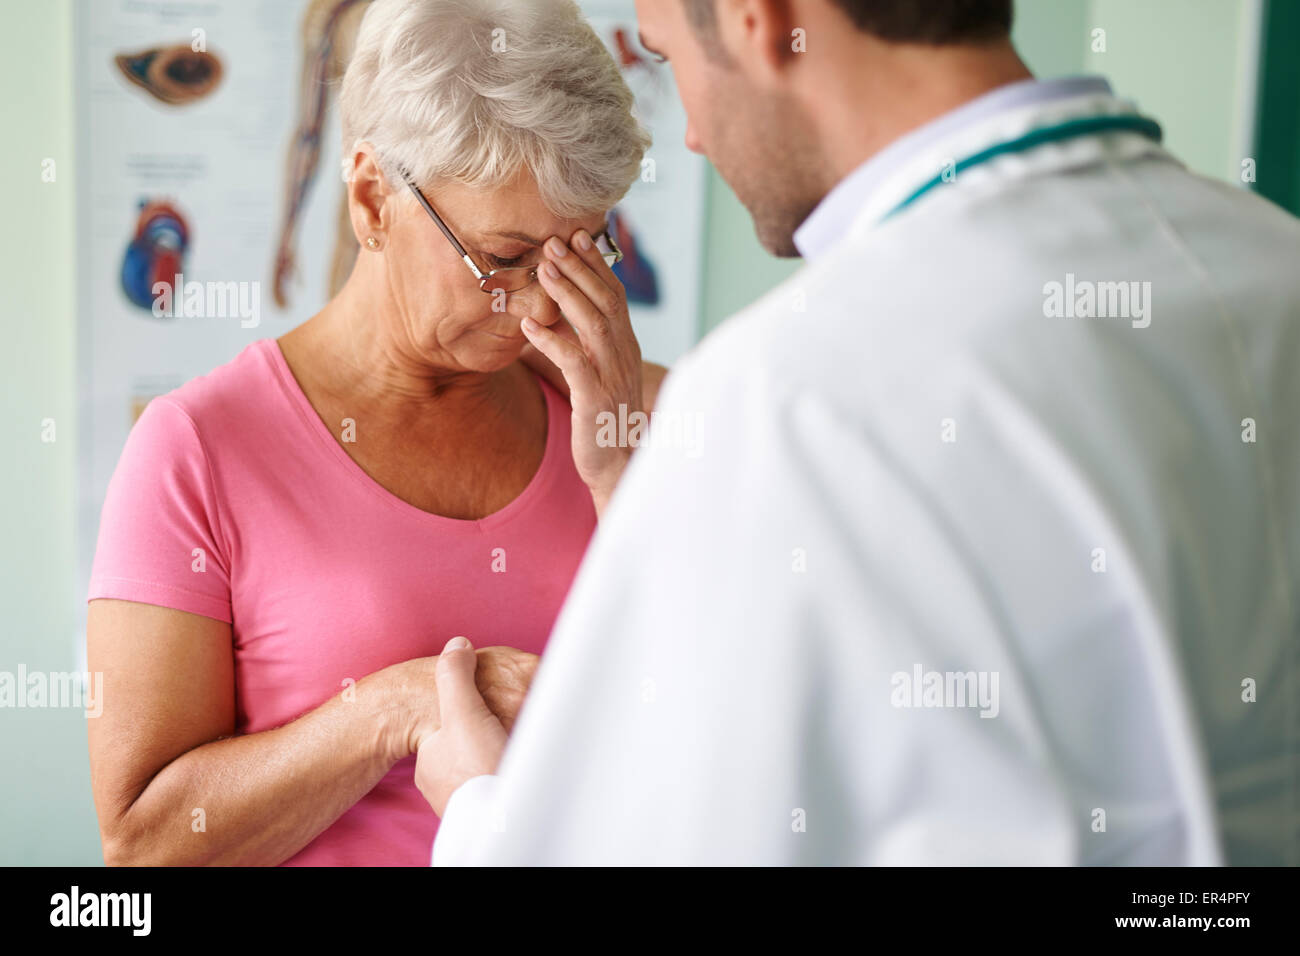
(232, 500)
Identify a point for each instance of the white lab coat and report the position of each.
(905, 466)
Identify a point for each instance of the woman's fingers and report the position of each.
(585, 266)
(603, 364)
(591, 255)
(582, 243)
(543, 366)
(593, 327)
(566, 331)
(536, 360)
(568, 356)
(578, 290)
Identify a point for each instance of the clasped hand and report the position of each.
(472, 733)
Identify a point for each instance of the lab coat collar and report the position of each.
(863, 198)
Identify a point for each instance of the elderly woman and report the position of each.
(289, 539)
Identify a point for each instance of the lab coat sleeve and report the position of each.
(474, 808)
(722, 686)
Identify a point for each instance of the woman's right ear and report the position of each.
(369, 195)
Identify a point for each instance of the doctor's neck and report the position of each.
(874, 92)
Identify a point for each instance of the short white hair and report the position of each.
(474, 91)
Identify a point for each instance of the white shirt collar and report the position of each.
(830, 221)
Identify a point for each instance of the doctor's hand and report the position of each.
(596, 351)
(503, 676)
(471, 739)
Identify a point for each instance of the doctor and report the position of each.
(989, 553)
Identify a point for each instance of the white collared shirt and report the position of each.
(830, 221)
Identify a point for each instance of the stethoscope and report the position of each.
(1074, 129)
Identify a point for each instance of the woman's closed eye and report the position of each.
(506, 262)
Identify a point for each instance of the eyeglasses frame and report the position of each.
(479, 274)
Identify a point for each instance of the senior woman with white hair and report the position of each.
(288, 540)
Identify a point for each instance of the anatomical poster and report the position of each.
(187, 111)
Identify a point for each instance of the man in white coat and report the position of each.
(989, 552)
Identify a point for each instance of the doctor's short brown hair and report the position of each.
(931, 22)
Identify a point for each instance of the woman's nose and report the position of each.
(533, 301)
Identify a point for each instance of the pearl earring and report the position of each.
(372, 243)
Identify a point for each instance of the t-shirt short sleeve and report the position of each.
(160, 539)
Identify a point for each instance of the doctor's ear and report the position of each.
(371, 200)
(758, 37)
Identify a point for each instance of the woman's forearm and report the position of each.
(258, 799)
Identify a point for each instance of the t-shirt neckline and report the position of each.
(537, 485)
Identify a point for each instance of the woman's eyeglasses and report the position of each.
(513, 278)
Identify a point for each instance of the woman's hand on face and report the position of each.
(652, 375)
(597, 352)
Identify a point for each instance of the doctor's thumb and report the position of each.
(457, 694)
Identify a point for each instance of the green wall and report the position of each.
(1051, 34)
(1277, 142)
(1182, 61)
(46, 813)
(737, 270)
